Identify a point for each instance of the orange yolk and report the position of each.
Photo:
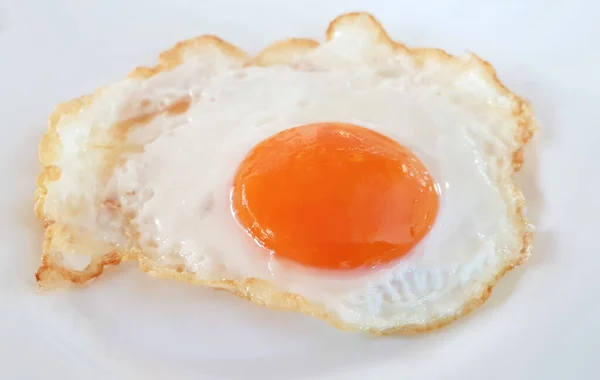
(334, 195)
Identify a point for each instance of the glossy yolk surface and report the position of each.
(333, 195)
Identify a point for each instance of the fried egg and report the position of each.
(357, 180)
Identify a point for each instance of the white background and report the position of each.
(542, 321)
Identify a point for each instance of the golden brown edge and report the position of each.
(256, 290)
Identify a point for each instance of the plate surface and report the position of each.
(540, 323)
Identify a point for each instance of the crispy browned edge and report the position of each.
(256, 290)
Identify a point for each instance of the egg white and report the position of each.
(173, 177)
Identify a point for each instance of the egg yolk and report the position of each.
(334, 196)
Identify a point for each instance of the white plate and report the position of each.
(541, 322)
